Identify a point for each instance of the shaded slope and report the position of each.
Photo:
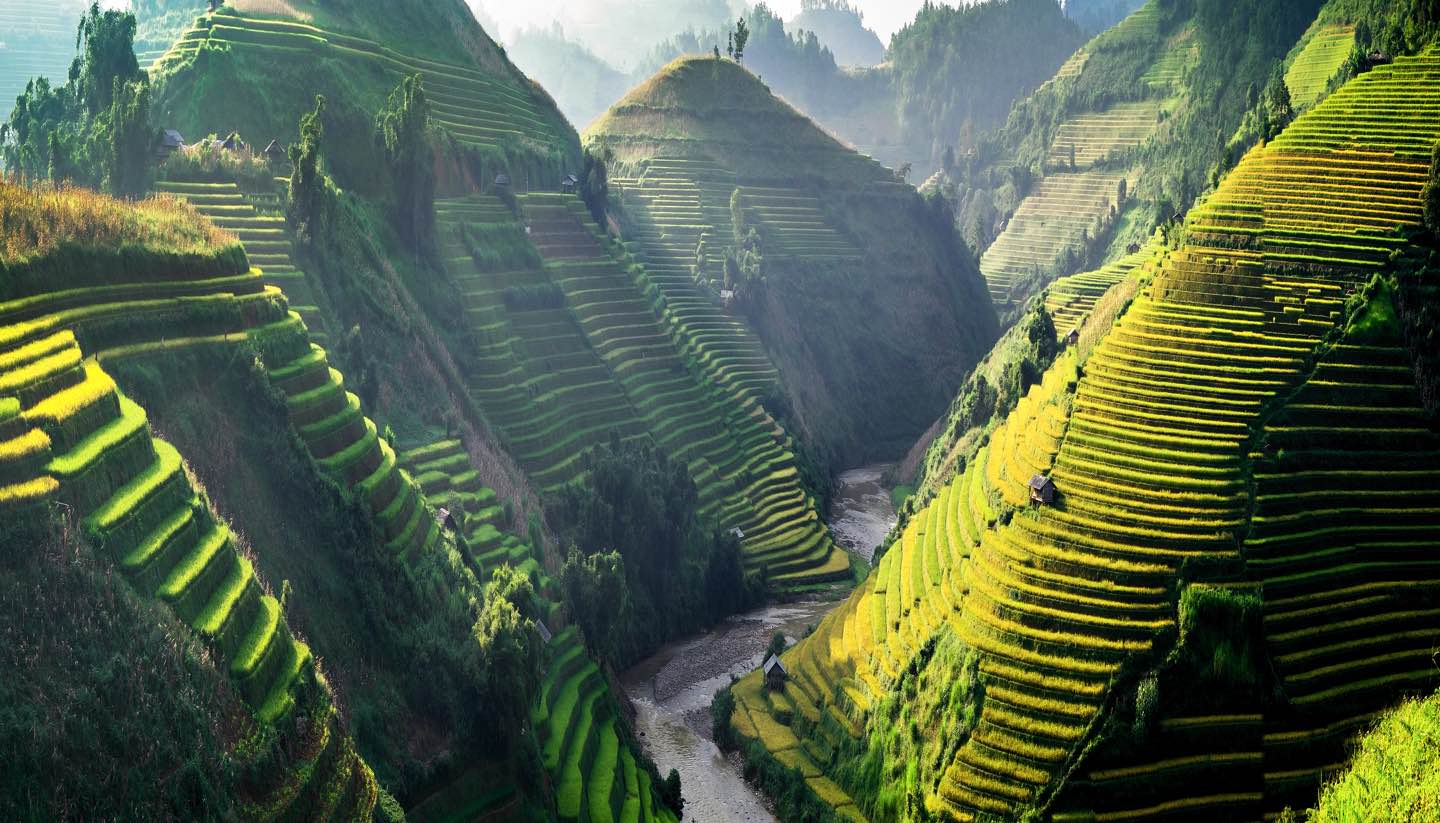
(1069, 606)
(74, 438)
(830, 224)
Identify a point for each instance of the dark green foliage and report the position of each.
(958, 70)
(1276, 111)
(106, 42)
(403, 130)
(1431, 195)
(595, 182)
(670, 793)
(1221, 636)
(536, 296)
(742, 37)
(722, 708)
(1417, 302)
(95, 129)
(913, 733)
(376, 618)
(648, 568)
(509, 649)
(794, 801)
(109, 707)
(599, 598)
(777, 645)
(307, 181)
(131, 140)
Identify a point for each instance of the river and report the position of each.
(672, 689)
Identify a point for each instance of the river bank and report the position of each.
(672, 689)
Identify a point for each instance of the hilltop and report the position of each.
(849, 276)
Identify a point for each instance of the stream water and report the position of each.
(672, 689)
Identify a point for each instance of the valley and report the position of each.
(823, 431)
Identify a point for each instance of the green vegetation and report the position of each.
(94, 129)
(1229, 579)
(675, 572)
(1392, 772)
(826, 223)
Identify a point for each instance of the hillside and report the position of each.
(1144, 105)
(702, 153)
(233, 682)
(1212, 605)
(841, 27)
(259, 73)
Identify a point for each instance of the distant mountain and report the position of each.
(841, 27)
(582, 84)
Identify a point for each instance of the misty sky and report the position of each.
(884, 16)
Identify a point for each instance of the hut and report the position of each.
(569, 184)
(542, 630)
(502, 180)
(1073, 337)
(171, 141)
(445, 520)
(1042, 490)
(775, 674)
(275, 153)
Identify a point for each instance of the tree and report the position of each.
(129, 140)
(403, 130)
(777, 645)
(670, 793)
(1431, 194)
(106, 42)
(509, 650)
(1277, 111)
(595, 589)
(595, 181)
(742, 36)
(307, 185)
(75, 131)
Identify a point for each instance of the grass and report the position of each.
(1392, 774)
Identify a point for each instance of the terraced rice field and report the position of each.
(1151, 467)
(792, 223)
(68, 434)
(1071, 299)
(1088, 138)
(1347, 517)
(265, 239)
(477, 108)
(1309, 75)
(597, 356)
(443, 472)
(683, 206)
(37, 39)
(1059, 211)
(594, 771)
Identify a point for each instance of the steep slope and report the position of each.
(1141, 104)
(259, 73)
(850, 255)
(75, 440)
(1204, 534)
